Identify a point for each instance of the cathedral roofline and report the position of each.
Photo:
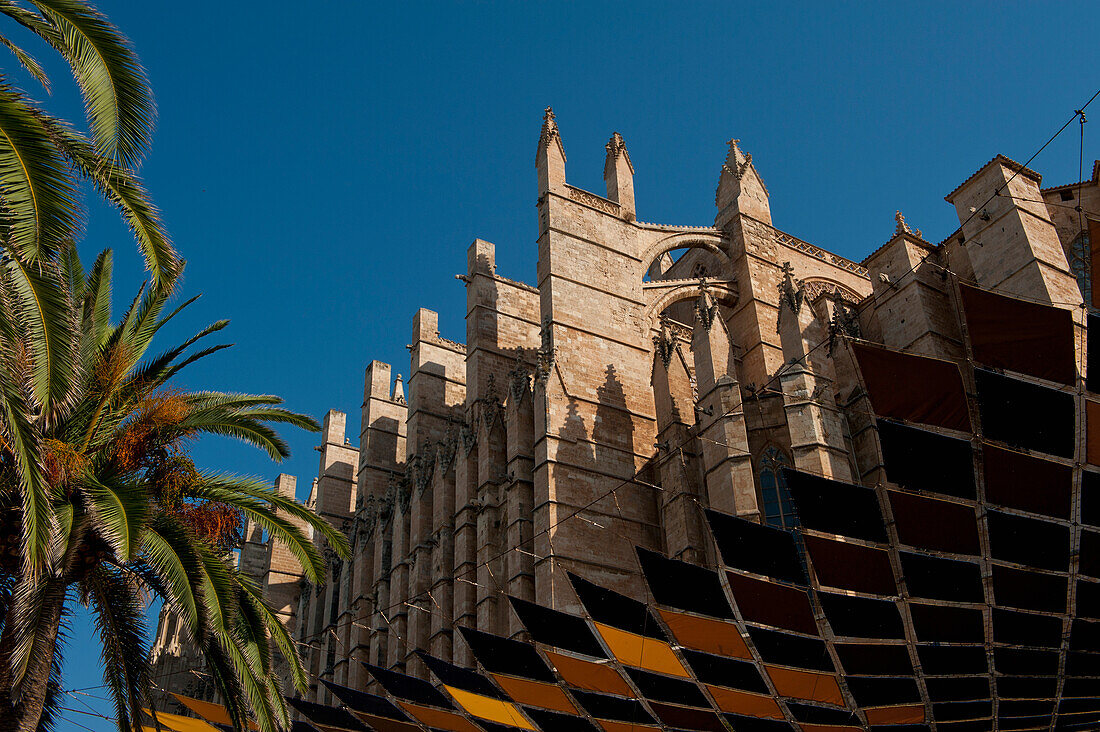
(1004, 160)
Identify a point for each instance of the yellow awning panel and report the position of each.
(491, 709)
(642, 652)
(211, 712)
(179, 723)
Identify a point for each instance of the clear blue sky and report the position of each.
(324, 166)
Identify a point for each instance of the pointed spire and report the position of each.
(618, 174)
(705, 306)
(616, 147)
(399, 390)
(903, 228)
(550, 157)
(739, 192)
(791, 290)
(550, 133)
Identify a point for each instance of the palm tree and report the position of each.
(100, 486)
(42, 161)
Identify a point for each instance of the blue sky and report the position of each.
(323, 167)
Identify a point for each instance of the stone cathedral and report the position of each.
(651, 371)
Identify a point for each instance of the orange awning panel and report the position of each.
(486, 707)
(211, 712)
(610, 726)
(742, 702)
(808, 685)
(895, 715)
(179, 723)
(536, 693)
(642, 652)
(439, 718)
(704, 634)
(588, 675)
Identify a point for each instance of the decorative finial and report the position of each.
(399, 390)
(664, 343)
(549, 126)
(615, 147)
(616, 144)
(705, 306)
(791, 291)
(904, 228)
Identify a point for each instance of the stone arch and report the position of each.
(668, 292)
(712, 242)
(815, 286)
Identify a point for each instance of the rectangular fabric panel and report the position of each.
(895, 715)
(554, 722)
(1090, 498)
(756, 548)
(913, 388)
(861, 617)
(1088, 599)
(662, 688)
(850, 566)
(1036, 543)
(1029, 590)
(877, 659)
(611, 608)
(934, 578)
(641, 651)
(967, 688)
(939, 660)
(361, 703)
(814, 715)
(1013, 334)
(536, 693)
(1027, 482)
(439, 718)
(1092, 365)
(785, 649)
(796, 684)
(935, 525)
(723, 671)
(872, 691)
(588, 675)
(687, 719)
(905, 452)
(1026, 629)
(507, 656)
(324, 717)
(453, 676)
(836, 508)
(558, 629)
(408, 687)
(1026, 415)
(773, 604)
(487, 707)
(1092, 432)
(947, 624)
(683, 585)
(740, 702)
(613, 708)
(713, 636)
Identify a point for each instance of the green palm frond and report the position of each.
(120, 510)
(122, 188)
(279, 634)
(45, 315)
(117, 98)
(41, 213)
(28, 62)
(120, 620)
(23, 438)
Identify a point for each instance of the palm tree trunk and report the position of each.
(23, 714)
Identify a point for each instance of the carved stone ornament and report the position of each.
(519, 378)
(845, 321)
(791, 291)
(903, 228)
(665, 343)
(705, 306)
(544, 363)
(469, 436)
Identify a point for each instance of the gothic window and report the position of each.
(778, 510)
(1079, 263)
